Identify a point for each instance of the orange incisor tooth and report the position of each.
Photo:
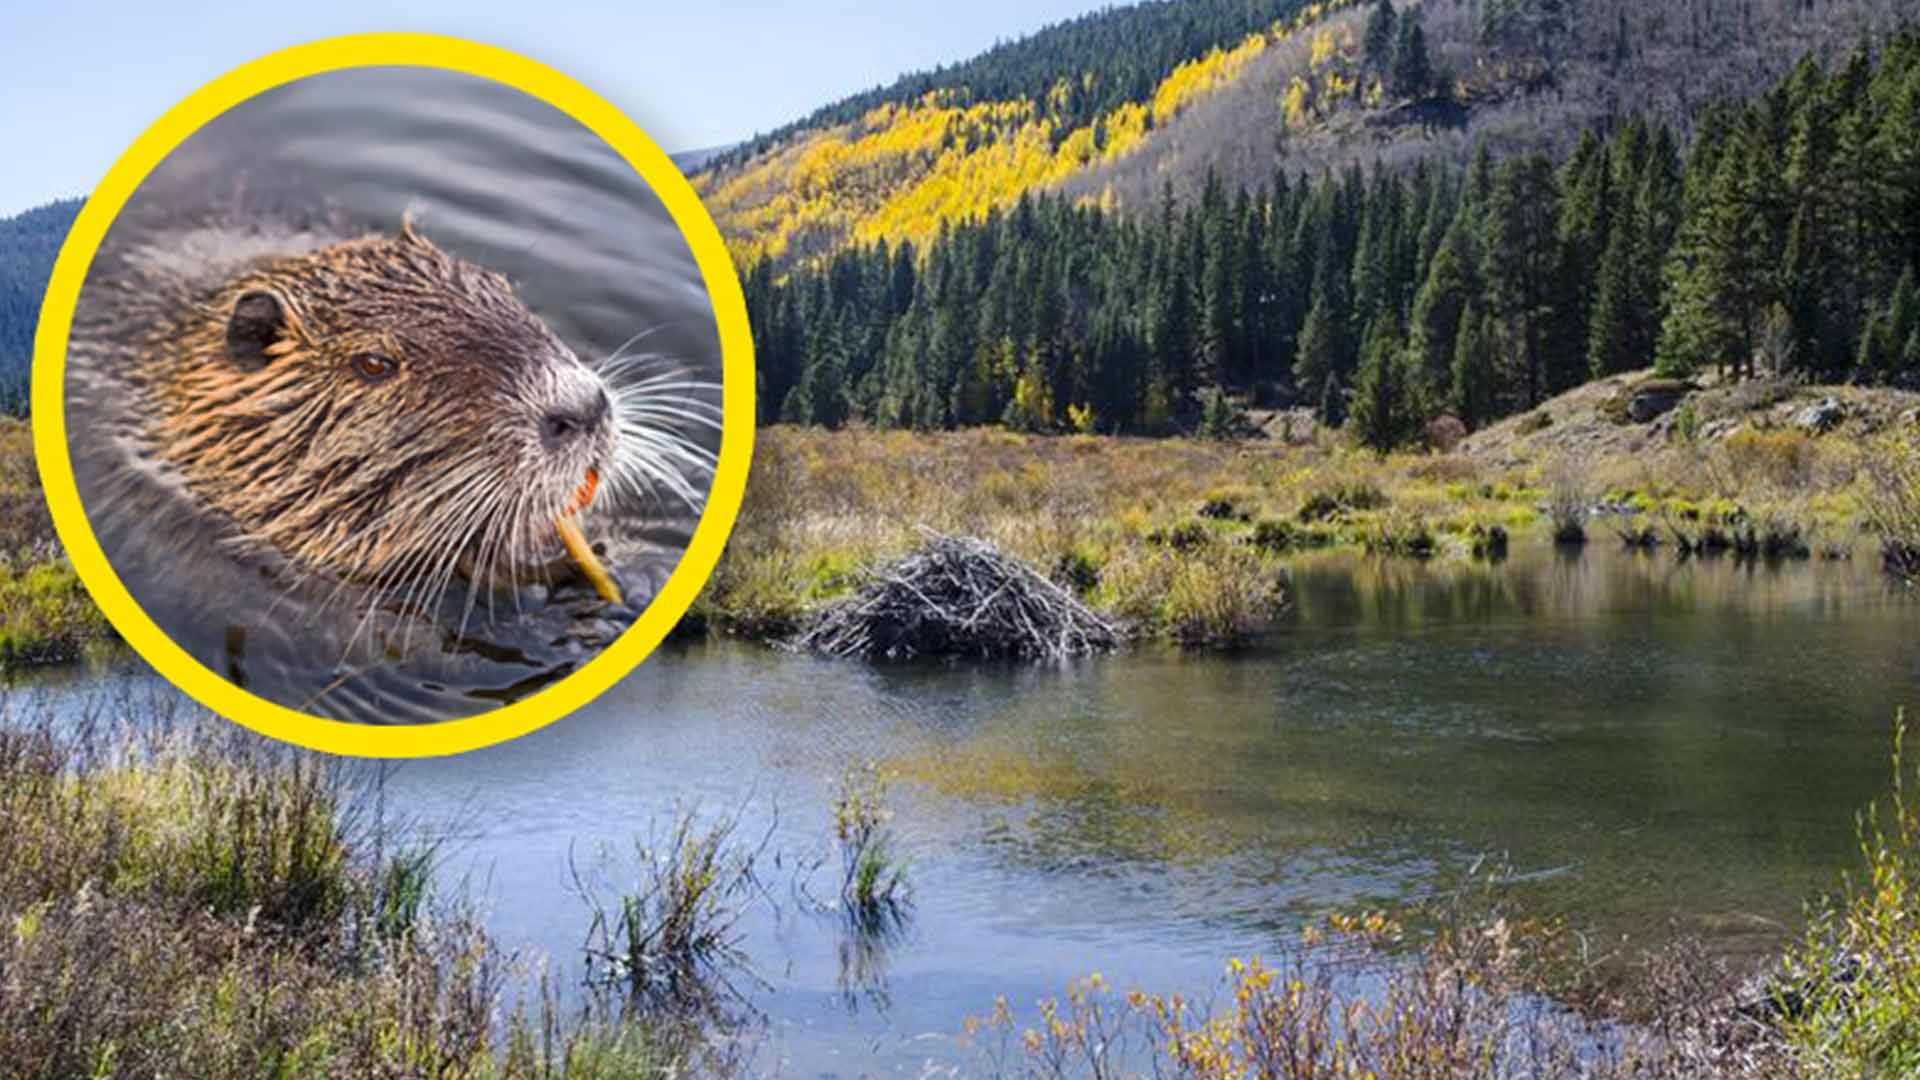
(576, 541)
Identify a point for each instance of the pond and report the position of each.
(1650, 745)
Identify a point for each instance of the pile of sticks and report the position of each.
(958, 596)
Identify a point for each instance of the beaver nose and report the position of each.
(564, 425)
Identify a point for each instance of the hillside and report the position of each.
(1514, 75)
(939, 147)
(1775, 235)
(1596, 421)
(1115, 106)
(28, 244)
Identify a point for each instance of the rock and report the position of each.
(1654, 400)
(593, 632)
(1719, 429)
(1446, 432)
(1821, 416)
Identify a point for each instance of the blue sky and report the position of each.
(78, 81)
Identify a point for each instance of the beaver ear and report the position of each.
(409, 231)
(258, 321)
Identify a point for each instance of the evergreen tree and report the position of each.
(1412, 70)
(1381, 35)
(1721, 278)
(1784, 235)
(1473, 396)
(1384, 410)
(1523, 266)
(1315, 366)
(1451, 283)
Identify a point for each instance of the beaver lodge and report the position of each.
(958, 596)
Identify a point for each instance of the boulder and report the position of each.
(1821, 416)
(1655, 399)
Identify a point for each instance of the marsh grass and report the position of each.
(181, 898)
(1368, 996)
(1487, 541)
(1569, 503)
(875, 903)
(873, 879)
(186, 901)
(1890, 502)
(1109, 517)
(1637, 534)
(1185, 539)
(664, 930)
(1404, 534)
(46, 615)
(1849, 1000)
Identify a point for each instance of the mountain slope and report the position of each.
(1524, 74)
(939, 148)
(29, 242)
(1275, 86)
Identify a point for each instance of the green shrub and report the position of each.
(1273, 534)
(1343, 498)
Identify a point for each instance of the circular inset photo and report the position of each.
(394, 394)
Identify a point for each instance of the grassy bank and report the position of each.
(182, 899)
(45, 613)
(1188, 540)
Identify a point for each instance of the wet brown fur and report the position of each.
(389, 483)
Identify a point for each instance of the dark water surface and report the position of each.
(492, 176)
(1652, 746)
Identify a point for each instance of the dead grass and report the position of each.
(179, 898)
(1188, 540)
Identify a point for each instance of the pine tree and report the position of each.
(1381, 35)
(1451, 282)
(1616, 335)
(1412, 70)
(1473, 398)
(1897, 330)
(1216, 414)
(1383, 411)
(1523, 265)
(1721, 281)
(1315, 366)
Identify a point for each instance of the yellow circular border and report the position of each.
(737, 378)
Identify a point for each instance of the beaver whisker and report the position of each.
(498, 507)
(690, 410)
(640, 474)
(481, 535)
(619, 353)
(454, 523)
(486, 548)
(653, 408)
(411, 575)
(402, 577)
(652, 452)
(510, 527)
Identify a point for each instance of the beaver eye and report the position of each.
(373, 367)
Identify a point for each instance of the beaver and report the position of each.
(371, 409)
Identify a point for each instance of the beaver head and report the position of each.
(382, 412)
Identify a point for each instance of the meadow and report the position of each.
(45, 613)
(1188, 540)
